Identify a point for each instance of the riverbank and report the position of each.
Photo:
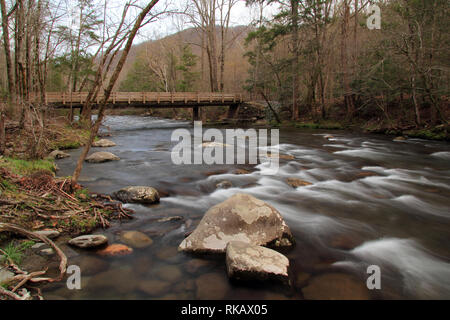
(35, 201)
(437, 133)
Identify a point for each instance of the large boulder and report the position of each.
(99, 157)
(250, 262)
(138, 194)
(103, 143)
(239, 218)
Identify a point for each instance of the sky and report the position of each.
(168, 24)
(241, 15)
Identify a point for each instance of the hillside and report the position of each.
(236, 65)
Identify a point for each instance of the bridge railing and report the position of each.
(142, 97)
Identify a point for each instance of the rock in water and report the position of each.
(47, 252)
(103, 143)
(115, 250)
(145, 195)
(91, 265)
(211, 286)
(6, 276)
(250, 262)
(168, 273)
(99, 157)
(154, 287)
(400, 138)
(51, 234)
(239, 218)
(136, 239)
(336, 286)
(224, 185)
(295, 183)
(57, 154)
(89, 241)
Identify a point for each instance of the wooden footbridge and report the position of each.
(192, 100)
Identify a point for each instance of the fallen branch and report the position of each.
(13, 295)
(63, 264)
(26, 278)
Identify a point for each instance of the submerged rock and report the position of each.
(241, 171)
(99, 157)
(240, 218)
(250, 262)
(214, 144)
(154, 287)
(121, 280)
(168, 273)
(138, 194)
(401, 138)
(167, 254)
(89, 241)
(184, 286)
(115, 250)
(170, 219)
(224, 184)
(195, 266)
(295, 182)
(57, 154)
(91, 265)
(103, 143)
(336, 286)
(211, 286)
(279, 156)
(136, 239)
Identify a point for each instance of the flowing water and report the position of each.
(372, 201)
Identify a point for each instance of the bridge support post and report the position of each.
(195, 113)
(232, 111)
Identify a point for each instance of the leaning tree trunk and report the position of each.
(108, 90)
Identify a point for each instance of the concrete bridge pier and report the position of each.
(196, 114)
(232, 111)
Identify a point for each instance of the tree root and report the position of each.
(23, 277)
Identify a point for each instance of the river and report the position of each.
(372, 201)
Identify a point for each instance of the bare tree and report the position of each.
(139, 22)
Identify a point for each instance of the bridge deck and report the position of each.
(146, 99)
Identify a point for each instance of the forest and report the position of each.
(318, 59)
(359, 90)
